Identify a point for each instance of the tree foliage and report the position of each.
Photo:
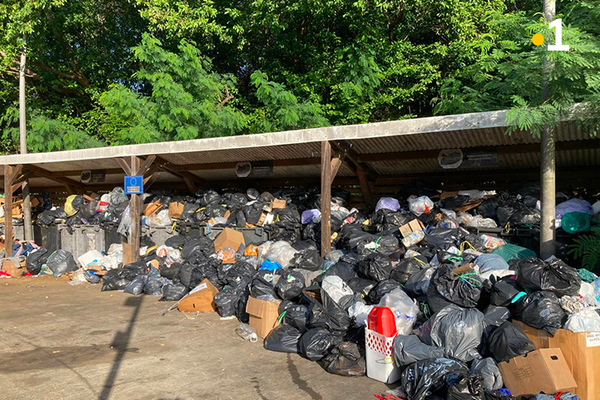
(132, 71)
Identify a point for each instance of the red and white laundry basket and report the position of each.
(379, 343)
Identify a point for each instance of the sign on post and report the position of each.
(134, 184)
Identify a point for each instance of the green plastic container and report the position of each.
(511, 252)
(576, 222)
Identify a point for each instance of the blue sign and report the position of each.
(134, 184)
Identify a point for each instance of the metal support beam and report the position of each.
(325, 198)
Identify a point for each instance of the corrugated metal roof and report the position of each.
(423, 134)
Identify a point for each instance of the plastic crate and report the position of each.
(81, 238)
(380, 358)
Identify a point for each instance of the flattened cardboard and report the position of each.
(263, 315)
(152, 208)
(200, 299)
(414, 225)
(464, 269)
(582, 354)
(175, 210)
(229, 238)
(278, 204)
(541, 371)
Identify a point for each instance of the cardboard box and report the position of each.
(582, 354)
(541, 371)
(175, 210)
(414, 225)
(263, 315)
(278, 203)
(229, 238)
(200, 299)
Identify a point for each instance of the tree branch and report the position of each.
(228, 97)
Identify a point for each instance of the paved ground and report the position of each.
(75, 342)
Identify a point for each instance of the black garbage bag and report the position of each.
(470, 387)
(341, 269)
(283, 339)
(352, 237)
(243, 289)
(409, 349)
(252, 194)
(47, 217)
(136, 286)
(226, 301)
(376, 267)
(170, 272)
(387, 245)
(457, 330)
(425, 377)
(443, 238)
(385, 219)
(487, 209)
(113, 281)
(508, 341)
(542, 310)
(406, 268)
(361, 285)
(262, 286)
(504, 291)
(308, 259)
(345, 360)
(489, 372)
(290, 285)
(383, 288)
(446, 288)
(173, 292)
(554, 276)
(153, 286)
(325, 313)
(35, 260)
(450, 203)
(316, 344)
(493, 317)
(296, 315)
(60, 262)
(196, 249)
(130, 271)
(231, 274)
(210, 197)
(176, 242)
(418, 284)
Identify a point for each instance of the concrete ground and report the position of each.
(75, 342)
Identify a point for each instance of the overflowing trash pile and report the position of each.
(427, 290)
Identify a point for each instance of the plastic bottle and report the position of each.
(246, 332)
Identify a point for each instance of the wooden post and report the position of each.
(8, 193)
(135, 210)
(325, 198)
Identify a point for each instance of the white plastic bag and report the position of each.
(586, 320)
(336, 288)
(160, 219)
(281, 252)
(420, 205)
(360, 313)
(403, 307)
(125, 224)
(476, 221)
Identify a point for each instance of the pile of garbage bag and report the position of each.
(439, 261)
